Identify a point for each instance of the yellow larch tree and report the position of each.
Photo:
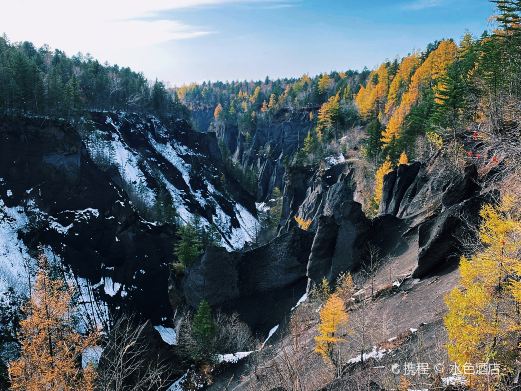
(371, 97)
(404, 159)
(333, 320)
(255, 96)
(50, 345)
(483, 319)
(382, 171)
(401, 80)
(324, 83)
(328, 116)
(303, 224)
(272, 102)
(431, 73)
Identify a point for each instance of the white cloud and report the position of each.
(96, 26)
(126, 32)
(422, 4)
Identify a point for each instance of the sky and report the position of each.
(183, 41)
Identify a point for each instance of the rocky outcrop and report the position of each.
(261, 284)
(266, 150)
(64, 202)
(339, 242)
(443, 207)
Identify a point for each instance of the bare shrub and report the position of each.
(127, 362)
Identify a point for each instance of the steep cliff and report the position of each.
(99, 195)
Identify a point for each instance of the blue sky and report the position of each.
(181, 41)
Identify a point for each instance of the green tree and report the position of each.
(203, 332)
(189, 246)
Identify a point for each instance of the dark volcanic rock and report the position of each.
(396, 184)
(443, 207)
(266, 150)
(261, 284)
(440, 238)
(339, 243)
(74, 208)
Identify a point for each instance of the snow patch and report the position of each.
(167, 334)
(16, 263)
(110, 287)
(300, 301)
(233, 357)
(270, 334)
(177, 386)
(376, 353)
(332, 160)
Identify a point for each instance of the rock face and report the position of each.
(261, 284)
(73, 209)
(90, 194)
(339, 243)
(443, 208)
(273, 142)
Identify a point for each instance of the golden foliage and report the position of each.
(404, 159)
(384, 169)
(324, 83)
(483, 320)
(345, 287)
(435, 139)
(303, 223)
(50, 345)
(371, 98)
(430, 73)
(327, 114)
(217, 112)
(273, 101)
(401, 81)
(333, 318)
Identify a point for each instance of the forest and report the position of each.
(454, 105)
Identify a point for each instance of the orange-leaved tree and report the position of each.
(51, 346)
(404, 159)
(303, 224)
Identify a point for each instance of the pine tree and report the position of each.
(203, 331)
(189, 246)
(50, 345)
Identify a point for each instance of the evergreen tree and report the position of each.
(189, 246)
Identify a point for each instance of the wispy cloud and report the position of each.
(419, 5)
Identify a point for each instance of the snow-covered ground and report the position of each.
(114, 152)
(16, 265)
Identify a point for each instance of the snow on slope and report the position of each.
(15, 261)
(113, 151)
